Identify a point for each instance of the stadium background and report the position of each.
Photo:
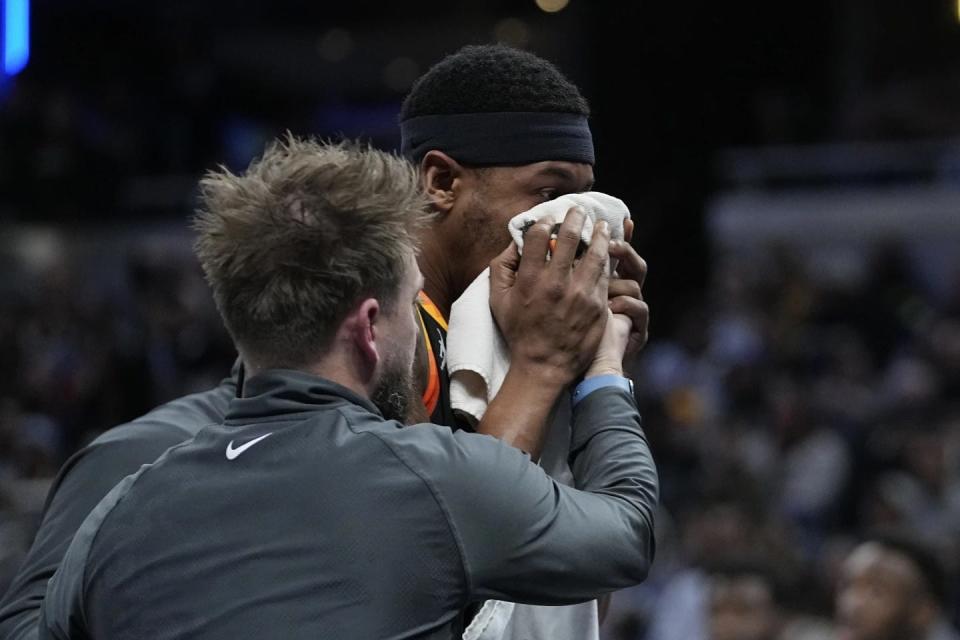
(793, 168)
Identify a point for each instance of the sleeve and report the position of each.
(84, 480)
(62, 614)
(526, 538)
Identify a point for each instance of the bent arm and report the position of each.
(529, 539)
(84, 480)
(519, 413)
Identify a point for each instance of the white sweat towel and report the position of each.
(477, 360)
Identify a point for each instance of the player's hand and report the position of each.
(552, 313)
(626, 289)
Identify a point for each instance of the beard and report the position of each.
(394, 394)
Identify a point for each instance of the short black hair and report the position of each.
(492, 78)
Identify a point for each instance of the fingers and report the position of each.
(631, 266)
(626, 293)
(595, 263)
(623, 287)
(503, 268)
(568, 239)
(535, 243)
(628, 230)
(639, 314)
(636, 310)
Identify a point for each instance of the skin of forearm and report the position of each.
(518, 413)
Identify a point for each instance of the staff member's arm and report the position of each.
(526, 538)
(84, 480)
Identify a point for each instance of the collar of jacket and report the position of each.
(277, 393)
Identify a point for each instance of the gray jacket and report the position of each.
(85, 479)
(306, 515)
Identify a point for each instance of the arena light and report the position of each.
(553, 6)
(16, 35)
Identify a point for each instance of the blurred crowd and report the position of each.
(789, 416)
(89, 342)
(112, 148)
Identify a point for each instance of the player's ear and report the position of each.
(441, 178)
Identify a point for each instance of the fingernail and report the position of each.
(604, 226)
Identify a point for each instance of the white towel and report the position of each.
(498, 620)
(477, 355)
(490, 622)
(477, 360)
(597, 206)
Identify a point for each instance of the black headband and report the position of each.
(503, 138)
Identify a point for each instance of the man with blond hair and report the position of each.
(311, 512)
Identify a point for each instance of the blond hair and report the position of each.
(292, 244)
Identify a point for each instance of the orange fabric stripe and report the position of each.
(431, 395)
(431, 308)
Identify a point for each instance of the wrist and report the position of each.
(604, 368)
(550, 376)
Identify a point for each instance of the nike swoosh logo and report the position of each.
(233, 453)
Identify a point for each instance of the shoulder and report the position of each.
(169, 424)
(176, 420)
(122, 450)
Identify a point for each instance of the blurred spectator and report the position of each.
(743, 603)
(892, 588)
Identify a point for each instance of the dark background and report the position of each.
(139, 98)
(793, 170)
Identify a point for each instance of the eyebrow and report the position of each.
(563, 174)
